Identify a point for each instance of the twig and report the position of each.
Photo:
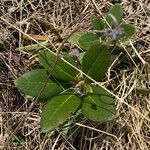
(142, 60)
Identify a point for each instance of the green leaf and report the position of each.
(87, 39)
(96, 61)
(57, 110)
(129, 30)
(117, 12)
(75, 37)
(81, 57)
(99, 105)
(33, 47)
(88, 88)
(70, 59)
(62, 70)
(32, 82)
(97, 24)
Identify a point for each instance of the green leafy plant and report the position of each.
(68, 93)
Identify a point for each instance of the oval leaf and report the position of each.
(32, 82)
(98, 106)
(62, 70)
(57, 110)
(129, 31)
(117, 12)
(97, 24)
(96, 61)
(87, 39)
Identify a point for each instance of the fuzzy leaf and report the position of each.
(96, 61)
(62, 70)
(87, 39)
(98, 105)
(58, 110)
(129, 30)
(117, 12)
(32, 82)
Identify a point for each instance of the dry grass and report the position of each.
(130, 129)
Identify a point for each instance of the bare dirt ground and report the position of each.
(130, 130)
